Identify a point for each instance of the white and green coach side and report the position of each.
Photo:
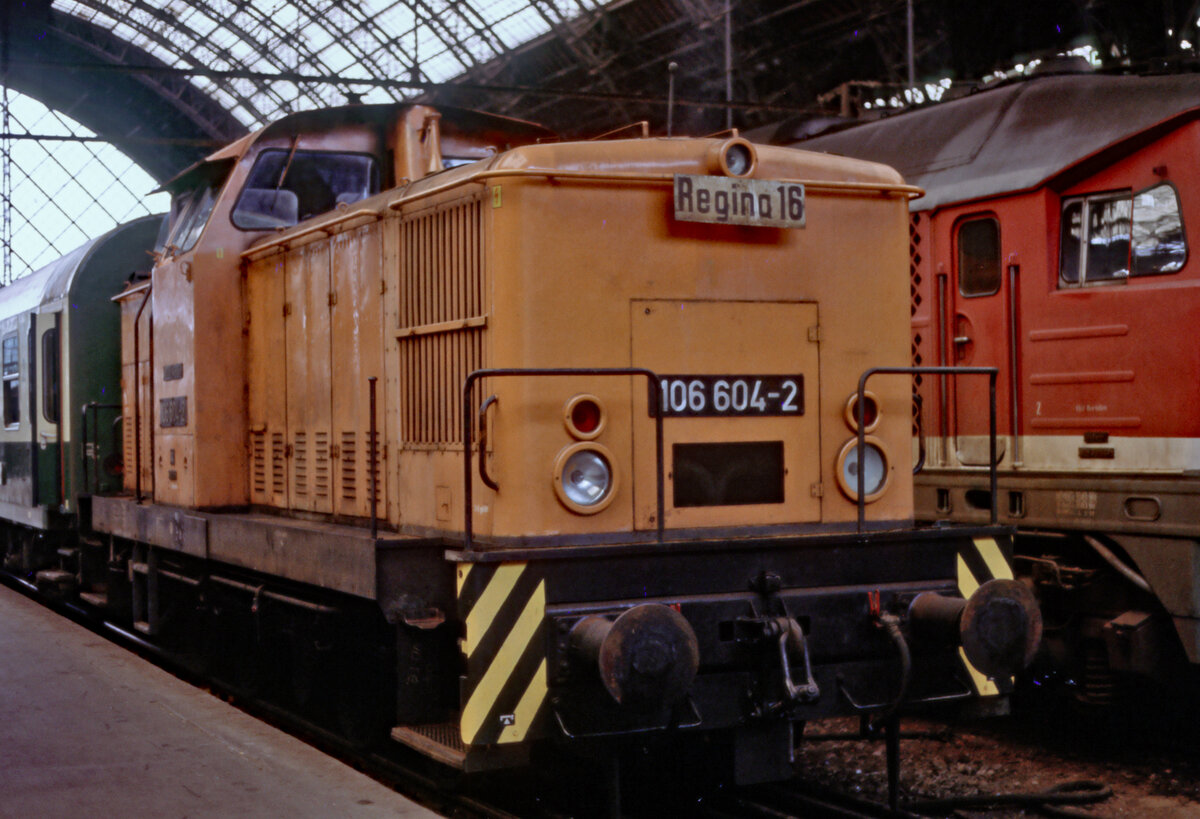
(59, 353)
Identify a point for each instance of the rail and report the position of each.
(469, 415)
(860, 416)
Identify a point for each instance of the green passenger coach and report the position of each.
(61, 320)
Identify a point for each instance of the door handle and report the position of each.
(962, 339)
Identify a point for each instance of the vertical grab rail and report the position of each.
(468, 416)
(137, 400)
(860, 413)
(373, 461)
(1014, 360)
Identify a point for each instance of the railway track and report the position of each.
(440, 789)
(800, 800)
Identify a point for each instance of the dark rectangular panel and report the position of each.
(727, 474)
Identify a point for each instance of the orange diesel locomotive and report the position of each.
(502, 443)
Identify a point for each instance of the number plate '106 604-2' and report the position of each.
(696, 396)
(725, 200)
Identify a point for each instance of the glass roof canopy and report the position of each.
(420, 40)
(61, 192)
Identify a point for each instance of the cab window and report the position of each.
(193, 209)
(979, 257)
(1111, 236)
(1158, 240)
(286, 187)
(10, 359)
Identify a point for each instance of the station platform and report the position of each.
(89, 729)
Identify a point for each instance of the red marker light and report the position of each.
(585, 416)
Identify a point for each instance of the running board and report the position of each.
(443, 742)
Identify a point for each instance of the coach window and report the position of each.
(286, 187)
(10, 356)
(1110, 237)
(979, 257)
(50, 380)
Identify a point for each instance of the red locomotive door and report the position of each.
(979, 330)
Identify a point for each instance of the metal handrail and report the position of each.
(860, 415)
(469, 415)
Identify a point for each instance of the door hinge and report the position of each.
(287, 451)
(335, 452)
(817, 490)
(332, 298)
(382, 287)
(287, 309)
(814, 334)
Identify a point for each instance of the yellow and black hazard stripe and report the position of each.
(980, 560)
(503, 607)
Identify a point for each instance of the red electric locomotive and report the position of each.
(1052, 243)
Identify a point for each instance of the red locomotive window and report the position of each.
(979, 257)
(286, 187)
(1159, 244)
(1110, 237)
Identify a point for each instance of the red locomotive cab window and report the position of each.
(979, 257)
(1159, 243)
(1110, 237)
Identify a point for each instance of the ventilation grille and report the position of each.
(915, 267)
(378, 466)
(258, 452)
(278, 465)
(128, 432)
(300, 461)
(321, 471)
(915, 277)
(441, 266)
(442, 319)
(914, 261)
(349, 466)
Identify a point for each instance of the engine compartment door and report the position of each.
(740, 399)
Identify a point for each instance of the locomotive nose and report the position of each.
(999, 628)
(647, 657)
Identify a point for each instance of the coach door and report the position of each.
(46, 406)
(979, 333)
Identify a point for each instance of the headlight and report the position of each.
(874, 465)
(584, 479)
(732, 157)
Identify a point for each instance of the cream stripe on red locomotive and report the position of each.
(994, 565)
(503, 609)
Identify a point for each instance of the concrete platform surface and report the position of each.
(89, 729)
